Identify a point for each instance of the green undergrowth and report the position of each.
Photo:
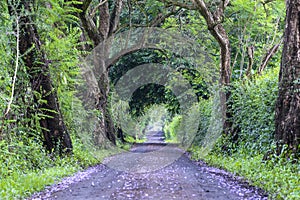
(21, 176)
(124, 146)
(171, 129)
(279, 178)
(252, 104)
(130, 140)
(19, 185)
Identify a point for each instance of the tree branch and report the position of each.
(141, 44)
(87, 22)
(267, 1)
(220, 12)
(115, 17)
(114, 60)
(85, 5)
(179, 4)
(268, 56)
(104, 20)
(160, 18)
(96, 8)
(208, 16)
(91, 29)
(250, 53)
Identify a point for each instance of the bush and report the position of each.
(21, 156)
(253, 107)
(205, 107)
(171, 129)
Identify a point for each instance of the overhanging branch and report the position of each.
(115, 17)
(179, 4)
(160, 18)
(110, 62)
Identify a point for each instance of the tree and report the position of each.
(55, 132)
(108, 24)
(253, 52)
(101, 22)
(287, 117)
(214, 19)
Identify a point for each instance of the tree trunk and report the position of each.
(54, 130)
(102, 33)
(287, 117)
(221, 36)
(214, 21)
(101, 73)
(108, 23)
(120, 134)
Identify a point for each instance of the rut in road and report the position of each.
(155, 170)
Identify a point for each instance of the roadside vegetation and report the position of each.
(26, 168)
(252, 155)
(59, 116)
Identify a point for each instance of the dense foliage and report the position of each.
(253, 105)
(254, 30)
(25, 164)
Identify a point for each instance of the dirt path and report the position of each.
(145, 174)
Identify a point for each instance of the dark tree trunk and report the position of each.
(54, 130)
(287, 117)
(120, 134)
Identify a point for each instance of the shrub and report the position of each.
(171, 129)
(253, 107)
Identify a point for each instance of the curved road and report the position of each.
(152, 170)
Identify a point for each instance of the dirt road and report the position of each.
(143, 173)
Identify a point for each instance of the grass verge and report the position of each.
(19, 184)
(280, 179)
